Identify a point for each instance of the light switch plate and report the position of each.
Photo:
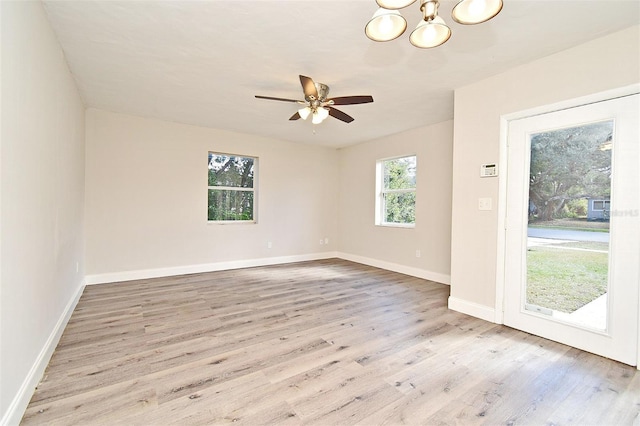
(484, 204)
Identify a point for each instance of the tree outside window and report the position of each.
(396, 203)
(568, 167)
(231, 188)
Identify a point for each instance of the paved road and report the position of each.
(562, 234)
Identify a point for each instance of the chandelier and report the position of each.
(388, 24)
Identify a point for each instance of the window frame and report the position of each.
(605, 204)
(381, 191)
(253, 189)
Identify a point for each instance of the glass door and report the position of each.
(573, 238)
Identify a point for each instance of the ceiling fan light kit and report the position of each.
(304, 112)
(319, 115)
(317, 105)
(388, 24)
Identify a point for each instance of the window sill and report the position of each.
(397, 225)
(232, 222)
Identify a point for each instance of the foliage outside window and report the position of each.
(396, 189)
(569, 166)
(231, 187)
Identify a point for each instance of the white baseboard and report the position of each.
(473, 309)
(16, 410)
(250, 263)
(18, 406)
(206, 267)
(395, 267)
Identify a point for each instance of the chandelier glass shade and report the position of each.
(470, 12)
(394, 4)
(386, 25)
(432, 31)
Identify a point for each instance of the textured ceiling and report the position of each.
(202, 62)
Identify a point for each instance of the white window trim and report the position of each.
(237, 222)
(380, 192)
(254, 189)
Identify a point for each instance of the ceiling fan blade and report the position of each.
(271, 98)
(351, 100)
(308, 87)
(295, 116)
(336, 113)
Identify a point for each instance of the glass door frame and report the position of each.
(502, 191)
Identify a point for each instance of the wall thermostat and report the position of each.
(488, 170)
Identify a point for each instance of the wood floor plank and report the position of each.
(355, 396)
(105, 405)
(326, 342)
(220, 403)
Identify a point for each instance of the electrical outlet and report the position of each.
(484, 203)
(269, 244)
(418, 254)
(326, 240)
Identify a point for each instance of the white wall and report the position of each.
(146, 186)
(395, 248)
(42, 192)
(146, 202)
(602, 64)
(146, 189)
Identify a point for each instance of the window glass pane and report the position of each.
(400, 173)
(601, 205)
(226, 170)
(568, 226)
(230, 204)
(400, 207)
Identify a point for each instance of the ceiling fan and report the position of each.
(318, 105)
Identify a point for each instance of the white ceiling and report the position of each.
(202, 62)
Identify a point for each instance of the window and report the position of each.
(599, 205)
(396, 192)
(231, 188)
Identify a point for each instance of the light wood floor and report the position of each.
(325, 342)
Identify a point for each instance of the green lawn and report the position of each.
(572, 224)
(591, 245)
(565, 280)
